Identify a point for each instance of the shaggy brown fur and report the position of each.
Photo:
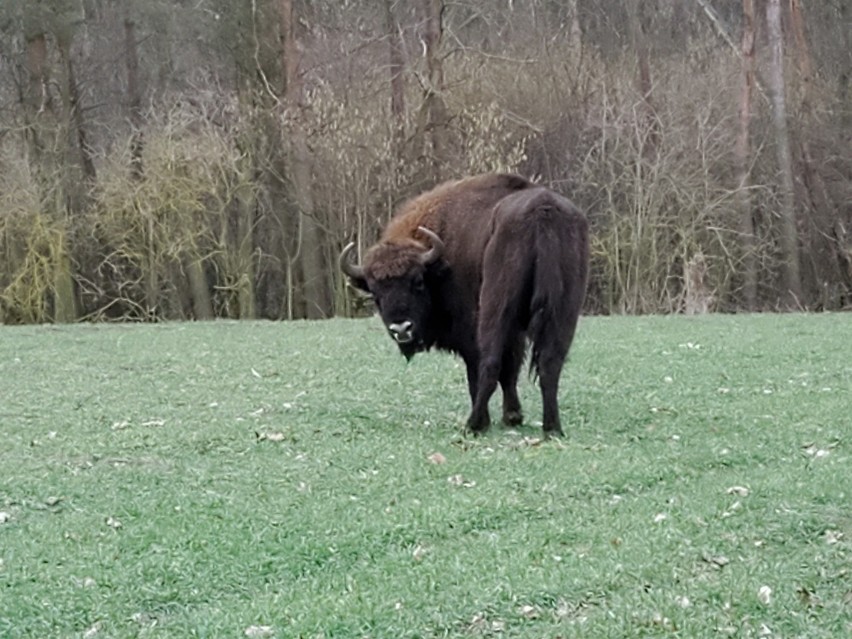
(513, 267)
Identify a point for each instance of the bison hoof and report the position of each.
(553, 432)
(513, 418)
(479, 425)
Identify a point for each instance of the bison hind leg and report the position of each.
(513, 359)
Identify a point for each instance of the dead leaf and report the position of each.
(717, 561)
(660, 517)
(5, 517)
(257, 632)
(808, 598)
(530, 612)
(458, 480)
(764, 595)
(270, 437)
(832, 537)
(813, 451)
(437, 458)
(93, 631)
(419, 552)
(742, 491)
(733, 509)
(113, 523)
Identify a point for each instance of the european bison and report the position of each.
(477, 267)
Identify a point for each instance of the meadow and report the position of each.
(258, 479)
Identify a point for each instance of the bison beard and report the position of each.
(479, 267)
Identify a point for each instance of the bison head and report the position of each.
(398, 277)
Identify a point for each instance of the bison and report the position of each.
(477, 267)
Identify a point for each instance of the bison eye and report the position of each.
(417, 284)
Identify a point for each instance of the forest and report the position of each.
(199, 159)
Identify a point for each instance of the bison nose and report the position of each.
(402, 332)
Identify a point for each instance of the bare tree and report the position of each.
(432, 119)
(792, 281)
(742, 158)
(134, 93)
(396, 65)
(316, 283)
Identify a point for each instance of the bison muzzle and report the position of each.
(480, 267)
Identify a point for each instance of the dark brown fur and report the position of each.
(514, 267)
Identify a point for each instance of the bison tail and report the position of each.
(558, 284)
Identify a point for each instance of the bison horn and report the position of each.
(347, 266)
(434, 253)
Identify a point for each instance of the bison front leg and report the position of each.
(482, 420)
(489, 370)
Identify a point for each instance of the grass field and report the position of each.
(300, 480)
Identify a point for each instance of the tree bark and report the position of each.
(433, 115)
(639, 25)
(792, 283)
(742, 159)
(827, 252)
(315, 285)
(396, 66)
(134, 94)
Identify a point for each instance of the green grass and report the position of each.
(204, 480)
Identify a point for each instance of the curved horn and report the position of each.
(347, 266)
(437, 249)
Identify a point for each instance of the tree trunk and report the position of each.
(48, 164)
(396, 66)
(433, 118)
(64, 295)
(742, 160)
(792, 294)
(826, 252)
(246, 296)
(202, 306)
(639, 27)
(316, 288)
(37, 97)
(134, 95)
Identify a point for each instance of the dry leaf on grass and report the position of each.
(270, 437)
(258, 632)
(437, 458)
(742, 491)
(5, 517)
(530, 612)
(458, 480)
(832, 537)
(717, 561)
(113, 523)
(764, 595)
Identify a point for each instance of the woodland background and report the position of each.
(177, 159)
